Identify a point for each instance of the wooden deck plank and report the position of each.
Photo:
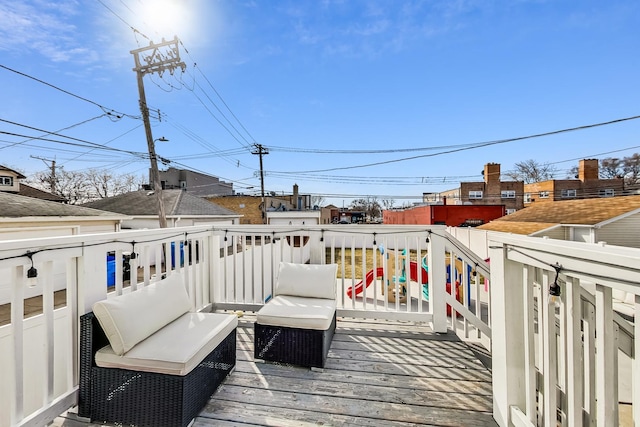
(372, 378)
(374, 393)
(318, 405)
(252, 414)
(384, 377)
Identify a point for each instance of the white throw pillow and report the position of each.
(130, 318)
(307, 280)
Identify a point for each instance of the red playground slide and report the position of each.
(413, 273)
(368, 280)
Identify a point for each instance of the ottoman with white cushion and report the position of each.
(297, 325)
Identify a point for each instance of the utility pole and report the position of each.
(261, 151)
(52, 175)
(156, 58)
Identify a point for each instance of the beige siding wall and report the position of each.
(559, 233)
(27, 230)
(625, 232)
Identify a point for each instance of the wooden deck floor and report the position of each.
(378, 374)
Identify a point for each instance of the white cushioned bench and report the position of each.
(297, 325)
(148, 360)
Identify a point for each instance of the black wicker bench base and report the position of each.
(129, 397)
(302, 347)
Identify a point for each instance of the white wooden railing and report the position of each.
(559, 360)
(224, 269)
(233, 268)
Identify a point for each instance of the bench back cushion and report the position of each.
(130, 318)
(307, 280)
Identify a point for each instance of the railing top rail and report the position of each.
(615, 266)
(124, 237)
(480, 265)
(345, 228)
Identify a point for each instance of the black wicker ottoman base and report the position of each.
(302, 347)
(126, 397)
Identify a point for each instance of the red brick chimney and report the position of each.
(491, 172)
(588, 170)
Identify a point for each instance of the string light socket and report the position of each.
(554, 288)
(32, 273)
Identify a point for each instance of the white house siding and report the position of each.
(150, 223)
(10, 230)
(624, 232)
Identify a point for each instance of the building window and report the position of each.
(510, 211)
(568, 193)
(475, 194)
(6, 180)
(508, 194)
(527, 197)
(606, 192)
(543, 194)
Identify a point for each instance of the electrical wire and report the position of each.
(113, 114)
(477, 145)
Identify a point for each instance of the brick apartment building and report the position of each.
(491, 191)
(587, 185)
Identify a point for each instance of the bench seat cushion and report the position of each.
(175, 349)
(130, 318)
(297, 312)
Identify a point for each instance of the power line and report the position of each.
(115, 115)
(477, 145)
(87, 144)
(59, 130)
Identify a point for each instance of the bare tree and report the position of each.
(611, 168)
(317, 201)
(81, 187)
(631, 169)
(388, 203)
(103, 183)
(531, 171)
(370, 206)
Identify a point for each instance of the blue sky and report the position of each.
(351, 98)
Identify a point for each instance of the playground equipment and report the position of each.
(400, 292)
(380, 273)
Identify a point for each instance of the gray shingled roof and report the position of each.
(16, 206)
(176, 202)
(29, 191)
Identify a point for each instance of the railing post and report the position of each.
(92, 268)
(437, 279)
(316, 249)
(216, 270)
(507, 335)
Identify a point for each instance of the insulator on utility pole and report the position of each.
(163, 57)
